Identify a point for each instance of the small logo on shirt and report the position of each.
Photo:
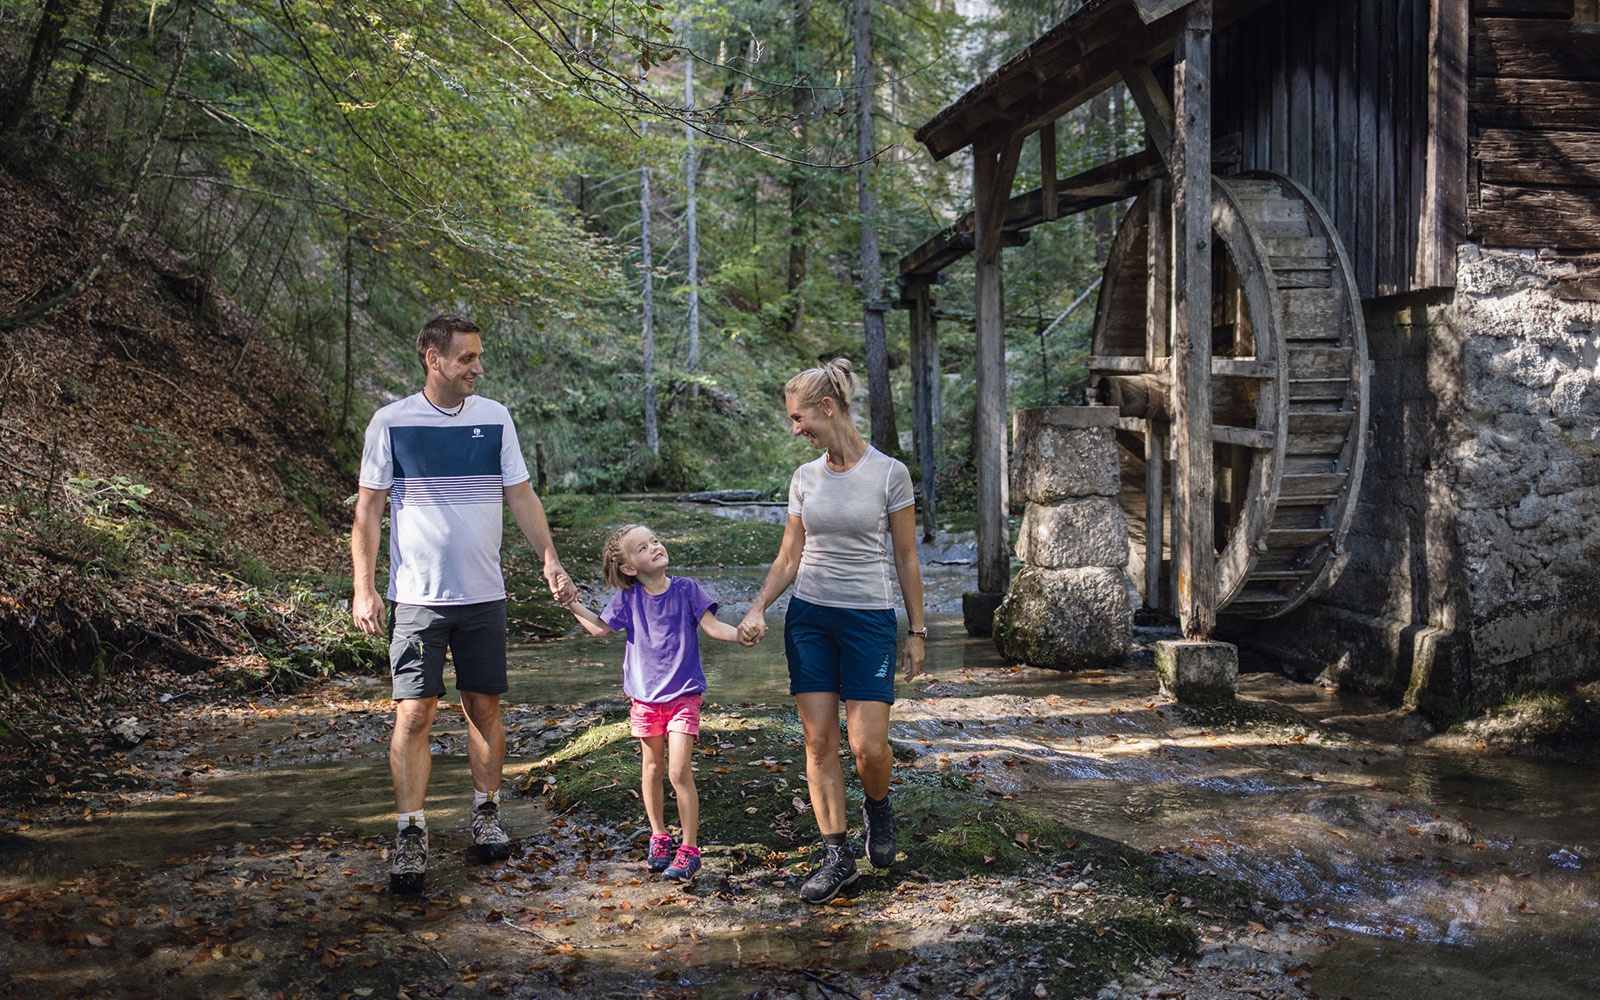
(477, 432)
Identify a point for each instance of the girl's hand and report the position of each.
(561, 586)
(916, 652)
(753, 628)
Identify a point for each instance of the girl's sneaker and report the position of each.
(660, 855)
(684, 866)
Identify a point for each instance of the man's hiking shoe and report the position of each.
(685, 865)
(488, 836)
(660, 852)
(877, 825)
(838, 869)
(410, 862)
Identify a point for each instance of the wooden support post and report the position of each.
(924, 400)
(1444, 202)
(1049, 200)
(1195, 563)
(994, 168)
(1158, 330)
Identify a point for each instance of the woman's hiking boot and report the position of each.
(877, 826)
(837, 870)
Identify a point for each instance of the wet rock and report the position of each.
(1065, 619)
(1200, 672)
(128, 732)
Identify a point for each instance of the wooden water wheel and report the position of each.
(1288, 373)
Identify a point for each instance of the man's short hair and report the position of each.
(438, 332)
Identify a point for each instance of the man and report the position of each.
(445, 459)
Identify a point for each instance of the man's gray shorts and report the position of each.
(474, 634)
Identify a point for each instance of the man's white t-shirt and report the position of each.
(848, 561)
(446, 476)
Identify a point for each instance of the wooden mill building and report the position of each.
(1351, 321)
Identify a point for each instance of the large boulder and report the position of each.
(1065, 619)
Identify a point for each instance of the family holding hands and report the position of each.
(445, 460)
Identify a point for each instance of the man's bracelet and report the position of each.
(921, 633)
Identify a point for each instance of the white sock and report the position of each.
(407, 818)
(479, 798)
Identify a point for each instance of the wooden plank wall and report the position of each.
(1534, 108)
(1335, 95)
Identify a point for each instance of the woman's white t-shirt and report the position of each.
(847, 560)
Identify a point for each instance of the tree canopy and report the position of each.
(342, 170)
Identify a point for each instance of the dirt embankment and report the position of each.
(162, 471)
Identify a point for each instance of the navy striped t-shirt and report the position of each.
(446, 476)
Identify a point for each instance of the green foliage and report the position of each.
(108, 497)
(484, 158)
(693, 533)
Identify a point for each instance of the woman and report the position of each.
(851, 523)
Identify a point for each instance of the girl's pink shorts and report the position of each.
(680, 715)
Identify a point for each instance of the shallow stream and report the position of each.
(1440, 870)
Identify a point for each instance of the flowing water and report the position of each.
(1446, 870)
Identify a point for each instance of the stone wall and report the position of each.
(1474, 559)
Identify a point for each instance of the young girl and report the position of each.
(661, 675)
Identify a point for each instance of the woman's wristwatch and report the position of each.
(921, 633)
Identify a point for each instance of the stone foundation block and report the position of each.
(1205, 672)
(1064, 451)
(1090, 531)
(977, 612)
(1065, 619)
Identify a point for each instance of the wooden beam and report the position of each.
(1523, 8)
(1155, 459)
(1506, 102)
(1062, 69)
(1444, 201)
(1533, 48)
(1158, 261)
(994, 168)
(1153, 105)
(1547, 158)
(1567, 219)
(1192, 486)
(1155, 10)
(1157, 356)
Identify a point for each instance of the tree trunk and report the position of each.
(129, 205)
(349, 310)
(651, 438)
(884, 436)
(46, 43)
(690, 224)
(80, 82)
(800, 106)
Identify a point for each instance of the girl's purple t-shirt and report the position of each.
(662, 658)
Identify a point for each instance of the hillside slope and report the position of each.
(158, 461)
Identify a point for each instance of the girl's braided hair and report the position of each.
(612, 557)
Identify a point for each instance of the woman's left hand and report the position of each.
(915, 652)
